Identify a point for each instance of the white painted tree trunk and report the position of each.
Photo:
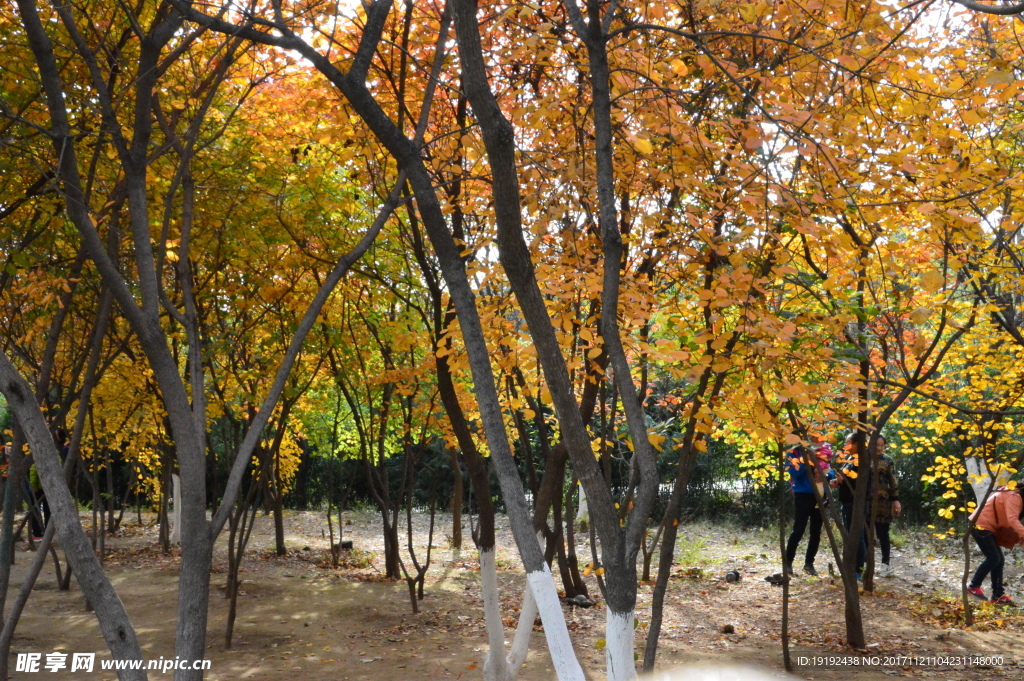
(175, 517)
(563, 657)
(494, 661)
(979, 475)
(619, 646)
(521, 642)
(540, 597)
(497, 665)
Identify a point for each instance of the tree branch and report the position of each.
(999, 10)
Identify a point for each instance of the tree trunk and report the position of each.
(494, 662)
(16, 467)
(114, 622)
(453, 455)
(392, 569)
(141, 305)
(667, 556)
(163, 514)
(275, 477)
(783, 490)
(240, 525)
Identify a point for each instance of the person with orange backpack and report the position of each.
(997, 525)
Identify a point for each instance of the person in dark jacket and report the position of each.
(808, 468)
(887, 502)
(883, 496)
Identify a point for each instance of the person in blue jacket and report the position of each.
(808, 468)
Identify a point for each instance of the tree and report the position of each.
(151, 46)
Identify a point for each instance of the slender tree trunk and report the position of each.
(453, 456)
(275, 480)
(16, 467)
(783, 490)
(111, 524)
(163, 515)
(240, 524)
(687, 461)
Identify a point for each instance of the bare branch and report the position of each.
(999, 10)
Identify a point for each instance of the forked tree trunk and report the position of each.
(240, 525)
(497, 665)
(142, 307)
(619, 545)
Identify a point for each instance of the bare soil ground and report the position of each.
(300, 618)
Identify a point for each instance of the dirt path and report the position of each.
(297, 616)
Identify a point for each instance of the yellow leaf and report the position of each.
(920, 315)
(932, 281)
(643, 146)
(971, 117)
(919, 347)
(997, 77)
